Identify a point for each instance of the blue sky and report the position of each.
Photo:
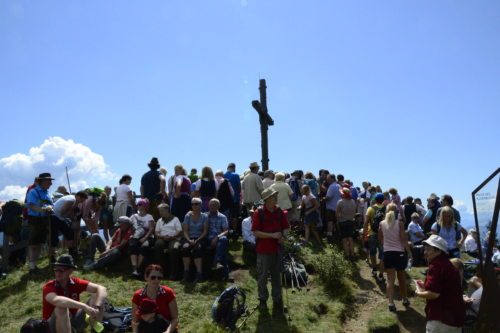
(402, 93)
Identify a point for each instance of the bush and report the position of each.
(332, 268)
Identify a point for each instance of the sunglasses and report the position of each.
(60, 270)
(155, 277)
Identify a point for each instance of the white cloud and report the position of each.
(85, 168)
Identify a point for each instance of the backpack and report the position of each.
(228, 307)
(458, 235)
(294, 185)
(35, 326)
(116, 320)
(11, 219)
(377, 218)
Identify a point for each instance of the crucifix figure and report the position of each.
(265, 121)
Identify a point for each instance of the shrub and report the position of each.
(332, 268)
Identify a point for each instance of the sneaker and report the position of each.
(135, 273)
(406, 302)
(219, 266)
(392, 307)
(88, 267)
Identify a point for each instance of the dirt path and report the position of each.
(370, 298)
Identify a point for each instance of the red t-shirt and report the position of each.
(118, 238)
(274, 221)
(73, 290)
(163, 299)
(443, 278)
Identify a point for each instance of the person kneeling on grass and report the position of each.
(114, 250)
(61, 299)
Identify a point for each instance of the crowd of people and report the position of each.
(183, 223)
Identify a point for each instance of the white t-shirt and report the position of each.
(246, 230)
(122, 192)
(141, 224)
(170, 229)
(62, 203)
(470, 244)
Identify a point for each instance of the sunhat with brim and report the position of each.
(45, 175)
(154, 163)
(437, 242)
(65, 260)
(267, 193)
(254, 165)
(147, 306)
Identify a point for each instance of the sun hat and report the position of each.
(147, 306)
(154, 163)
(65, 260)
(267, 193)
(45, 175)
(254, 165)
(437, 242)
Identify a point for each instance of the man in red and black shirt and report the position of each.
(269, 225)
(61, 304)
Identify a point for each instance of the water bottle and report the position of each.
(98, 326)
(410, 264)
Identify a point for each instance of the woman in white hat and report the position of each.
(442, 289)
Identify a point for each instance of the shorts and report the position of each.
(77, 321)
(38, 228)
(395, 260)
(331, 216)
(62, 226)
(346, 229)
(374, 246)
(311, 218)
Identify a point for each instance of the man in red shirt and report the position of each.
(61, 304)
(445, 308)
(269, 225)
(114, 249)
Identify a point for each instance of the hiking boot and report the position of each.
(185, 277)
(135, 273)
(406, 302)
(198, 278)
(392, 307)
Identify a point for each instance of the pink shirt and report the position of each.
(392, 241)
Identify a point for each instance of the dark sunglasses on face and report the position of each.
(155, 277)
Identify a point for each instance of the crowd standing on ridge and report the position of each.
(181, 226)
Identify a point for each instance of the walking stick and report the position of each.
(294, 272)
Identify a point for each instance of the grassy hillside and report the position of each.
(318, 310)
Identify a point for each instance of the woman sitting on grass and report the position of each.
(163, 296)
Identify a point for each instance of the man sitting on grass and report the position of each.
(61, 299)
(114, 250)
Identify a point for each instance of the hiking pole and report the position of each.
(294, 263)
(248, 314)
(294, 272)
(285, 308)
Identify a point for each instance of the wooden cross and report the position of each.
(265, 121)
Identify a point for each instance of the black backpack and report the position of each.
(377, 218)
(12, 217)
(35, 326)
(229, 307)
(116, 320)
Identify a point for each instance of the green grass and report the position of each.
(317, 310)
(383, 322)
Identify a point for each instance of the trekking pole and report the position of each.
(294, 271)
(302, 279)
(285, 308)
(249, 313)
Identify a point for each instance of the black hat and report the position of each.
(45, 175)
(154, 163)
(65, 260)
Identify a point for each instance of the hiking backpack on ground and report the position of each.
(116, 320)
(229, 307)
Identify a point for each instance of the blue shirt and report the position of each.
(216, 224)
(449, 234)
(234, 179)
(333, 195)
(413, 229)
(195, 228)
(40, 198)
